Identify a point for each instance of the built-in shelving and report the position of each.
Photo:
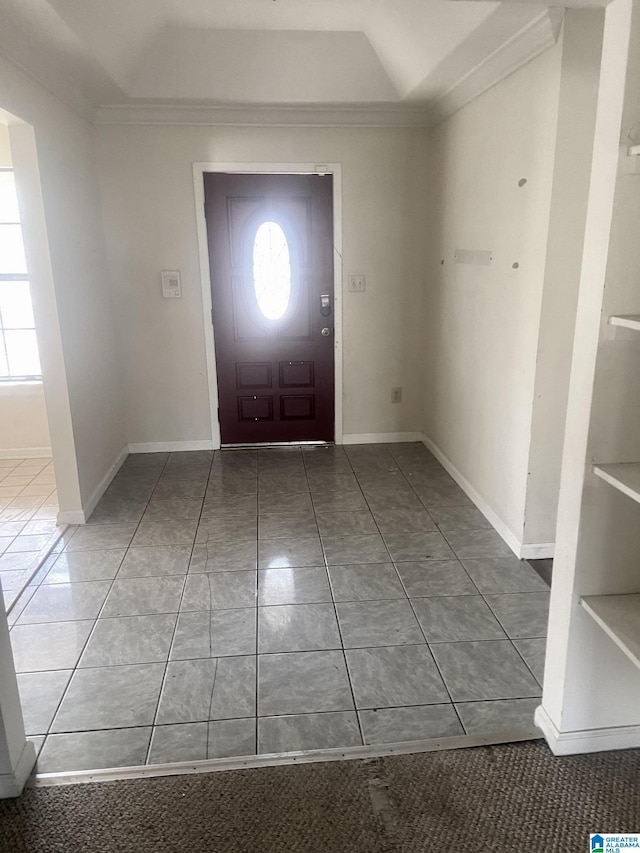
(619, 618)
(628, 321)
(624, 476)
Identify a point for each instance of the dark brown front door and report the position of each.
(271, 257)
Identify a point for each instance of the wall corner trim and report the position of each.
(585, 740)
(533, 39)
(12, 784)
(529, 551)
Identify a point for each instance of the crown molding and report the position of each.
(303, 115)
(533, 39)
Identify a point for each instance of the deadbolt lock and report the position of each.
(325, 305)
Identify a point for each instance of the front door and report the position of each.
(271, 259)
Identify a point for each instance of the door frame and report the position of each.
(334, 169)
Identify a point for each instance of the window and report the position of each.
(19, 358)
(271, 270)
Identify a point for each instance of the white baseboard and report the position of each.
(72, 516)
(81, 516)
(539, 551)
(380, 437)
(586, 740)
(11, 784)
(26, 453)
(170, 446)
(523, 552)
(498, 523)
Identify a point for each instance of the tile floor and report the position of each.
(262, 601)
(28, 511)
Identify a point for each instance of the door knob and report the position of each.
(325, 332)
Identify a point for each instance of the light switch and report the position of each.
(357, 283)
(171, 288)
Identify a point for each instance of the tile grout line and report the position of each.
(424, 633)
(335, 611)
(175, 627)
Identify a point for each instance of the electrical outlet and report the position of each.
(396, 395)
(357, 283)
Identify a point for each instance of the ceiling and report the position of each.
(420, 56)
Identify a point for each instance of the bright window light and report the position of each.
(19, 359)
(271, 270)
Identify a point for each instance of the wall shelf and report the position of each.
(624, 476)
(628, 321)
(619, 618)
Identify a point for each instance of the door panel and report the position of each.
(275, 373)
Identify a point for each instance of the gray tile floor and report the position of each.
(28, 526)
(243, 602)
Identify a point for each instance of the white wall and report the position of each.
(482, 322)
(148, 201)
(24, 428)
(80, 359)
(5, 148)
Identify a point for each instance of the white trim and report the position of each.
(538, 551)
(12, 784)
(490, 514)
(459, 85)
(529, 551)
(213, 765)
(533, 39)
(81, 516)
(22, 388)
(380, 437)
(26, 453)
(585, 740)
(199, 170)
(261, 115)
(170, 446)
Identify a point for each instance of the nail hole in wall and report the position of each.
(522, 182)
(515, 266)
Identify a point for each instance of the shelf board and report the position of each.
(629, 321)
(624, 476)
(619, 618)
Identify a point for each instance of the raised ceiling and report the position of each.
(423, 56)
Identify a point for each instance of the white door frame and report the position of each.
(199, 171)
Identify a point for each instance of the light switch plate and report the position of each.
(357, 283)
(171, 287)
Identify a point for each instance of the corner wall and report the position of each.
(491, 171)
(61, 215)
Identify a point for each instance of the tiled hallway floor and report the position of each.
(28, 527)
(219, 605)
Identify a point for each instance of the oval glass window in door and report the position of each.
(271, 270)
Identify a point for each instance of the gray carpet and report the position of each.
(516, 797)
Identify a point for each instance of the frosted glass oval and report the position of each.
(271, 270)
